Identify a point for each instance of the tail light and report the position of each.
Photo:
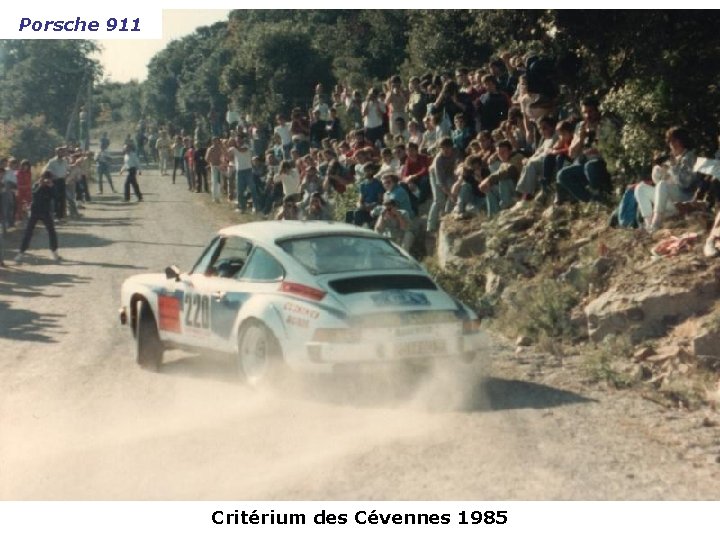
(471, 326)
(302, 290)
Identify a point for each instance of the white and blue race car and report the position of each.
(309, 296)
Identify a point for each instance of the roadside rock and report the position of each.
(707, 342)
(650, 311)
(453, 244)
(523, 341)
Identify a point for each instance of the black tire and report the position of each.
(259, 360)
(148, 347)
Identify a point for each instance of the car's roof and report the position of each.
(270, 231)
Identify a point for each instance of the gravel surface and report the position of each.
(79, 420)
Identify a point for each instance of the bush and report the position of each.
(29, 138)
(541, 310)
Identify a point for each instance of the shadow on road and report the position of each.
(26, 325)
(501, 394)
(21, 282)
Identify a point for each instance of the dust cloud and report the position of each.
(196, 431)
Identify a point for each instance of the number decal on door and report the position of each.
(197, 311)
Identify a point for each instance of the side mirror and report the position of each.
(172, 272)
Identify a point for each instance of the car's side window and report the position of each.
(230, 259)
(203, 262)
(262, 267)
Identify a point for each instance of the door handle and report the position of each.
(218, 296)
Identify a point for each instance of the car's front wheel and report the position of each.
(148, 347)
(260, 359)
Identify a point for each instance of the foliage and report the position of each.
(45, 77)
(541, 310)
(116, 102)
(608, 361)
(28, 138)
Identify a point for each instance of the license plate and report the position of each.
(421, 348)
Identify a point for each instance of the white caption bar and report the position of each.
(75, 21)
(318, 520)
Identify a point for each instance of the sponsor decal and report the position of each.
(297, 321)
(169, 308)
(302, 311)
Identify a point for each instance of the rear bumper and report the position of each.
(441, 343)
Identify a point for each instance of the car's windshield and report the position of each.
(332, 254)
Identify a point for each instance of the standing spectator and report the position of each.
(58, 166)
(318, 130)
(214, 158)
(41, 210)
(178, 152)
(200, 166)
(493, 105)
(104, 141)
(131, 166)
(396, 102)
(334, 127)
(189, 158)
(162, 146)
(372, 111)
(282, 130)
(417, 101)
(442, 177)
(242, 161)
(103, 169)
(9, 194)
(300, 132)
(24, 192)
(141, 139)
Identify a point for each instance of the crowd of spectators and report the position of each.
(467, 142)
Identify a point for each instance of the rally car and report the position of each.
(308, 296)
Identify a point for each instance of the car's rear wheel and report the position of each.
(148, 347)
(260, 359)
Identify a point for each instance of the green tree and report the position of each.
(45, 77)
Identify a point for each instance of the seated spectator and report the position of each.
(674, 181)
(415, 172)
(289, 210)
(487, 146)
(388, 163)
(371, 193)
(466, 191)
(500, 185)
(289, 178)
(311, 183)
(415, 135)
(317, 209)
(588, 178)
(712, 244)
(402, 195)
(460, 135)
(532, 176)
(430, 137)
(395, 223)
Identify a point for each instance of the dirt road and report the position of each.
(79, 420)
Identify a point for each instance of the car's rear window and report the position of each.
(343, 253)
